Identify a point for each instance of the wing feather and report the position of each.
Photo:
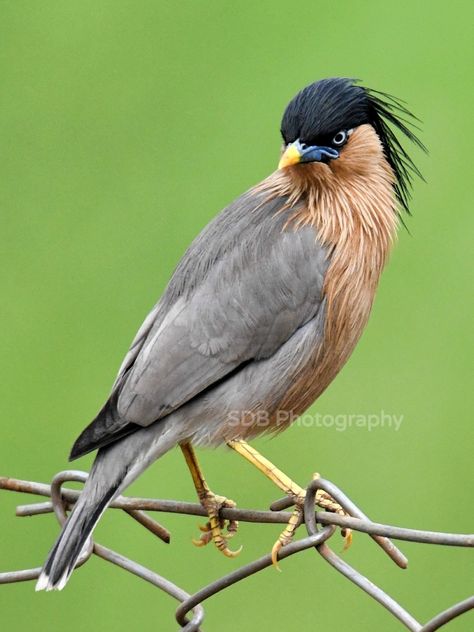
(242, 289)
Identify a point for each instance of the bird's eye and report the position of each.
(340, 138)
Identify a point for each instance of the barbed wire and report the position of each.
(190, 612)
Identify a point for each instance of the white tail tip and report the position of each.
(44, 583)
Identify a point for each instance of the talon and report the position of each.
(288, 533)
(325, 501)
(221, 543)
(228, 552)
(232, 528)
(276, 548)
(213, 529)
(347, 535)
(205, 537)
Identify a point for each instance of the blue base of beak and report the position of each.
(316, 153)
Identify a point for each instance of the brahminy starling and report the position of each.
(261, 313)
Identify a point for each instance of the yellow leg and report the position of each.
(212, 503)
(292, 489)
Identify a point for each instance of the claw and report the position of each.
(212, 530)
(276, 548)
(323, 500)
(288, 533)
(347, 535)
(205, 537)
(232, 528)
(221, 544)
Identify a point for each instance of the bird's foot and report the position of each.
(324, 501)
(288, 533)
(327, 502)
(213, 529)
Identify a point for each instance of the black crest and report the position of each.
(324, 108)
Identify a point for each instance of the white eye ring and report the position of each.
(340, 138)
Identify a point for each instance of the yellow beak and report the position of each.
(291, 156)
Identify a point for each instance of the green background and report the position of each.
(124, 127)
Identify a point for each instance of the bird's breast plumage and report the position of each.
(351, 207)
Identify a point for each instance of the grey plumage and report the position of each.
(240, 317)
(114, 468)
(241, 290)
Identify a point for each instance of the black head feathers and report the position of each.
(324, 108)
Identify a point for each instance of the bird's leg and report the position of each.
(212, 504)
(290, 488)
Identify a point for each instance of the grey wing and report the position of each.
(243, 288)
(137, 344)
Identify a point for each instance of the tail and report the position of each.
(115, 467)
(68, 547)
(98, 492)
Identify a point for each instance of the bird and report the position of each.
(261, 312)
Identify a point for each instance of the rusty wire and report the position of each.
(190, 613)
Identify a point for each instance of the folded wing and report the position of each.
(244, 286)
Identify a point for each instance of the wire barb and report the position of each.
(190, 613)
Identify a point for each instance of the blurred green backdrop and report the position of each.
(125, 126)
